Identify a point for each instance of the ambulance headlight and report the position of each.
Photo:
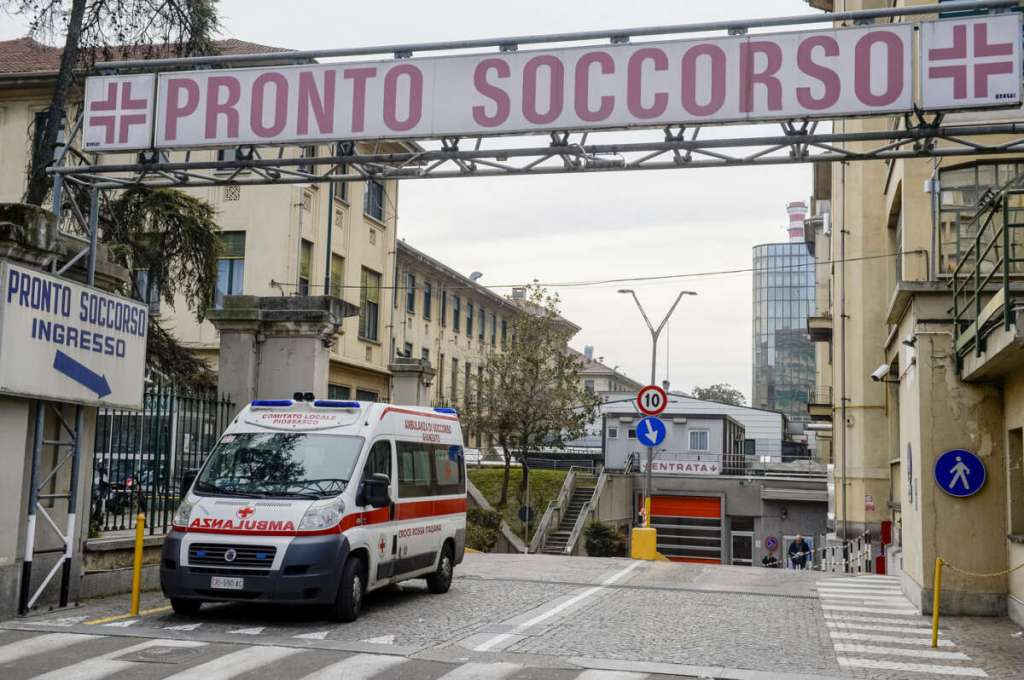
(320, 517)
(183, 513)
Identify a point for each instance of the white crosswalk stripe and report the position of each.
(41, 644)
(482, 671)
(869, 637)
(593, 674)
(877, 664)
(358, 667)
(107, 664)
(236, 663)
(898, 640)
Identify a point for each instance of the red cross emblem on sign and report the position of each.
(244, 512)
(977, 61)
(118, 112)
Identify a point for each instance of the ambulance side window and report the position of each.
(379, 460)
(413, 470)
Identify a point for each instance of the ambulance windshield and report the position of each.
(290, 465)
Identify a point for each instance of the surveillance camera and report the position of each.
(880, 372)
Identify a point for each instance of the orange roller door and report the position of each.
(686, 506)
(689, 528)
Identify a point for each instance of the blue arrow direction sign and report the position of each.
(81, 374)
(959, 473)
(650, 431)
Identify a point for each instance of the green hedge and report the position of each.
(604, 540)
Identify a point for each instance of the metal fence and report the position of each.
(141, 455)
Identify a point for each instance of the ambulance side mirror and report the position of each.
(187, 477)
(376, 490)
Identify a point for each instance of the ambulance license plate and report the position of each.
(225, 583)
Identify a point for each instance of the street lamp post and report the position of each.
(655, 332)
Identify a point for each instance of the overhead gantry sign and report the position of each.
(909, 70)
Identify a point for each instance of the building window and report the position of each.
(455, 379)
(144, 293)
(228, 154)
(410, 292)
(469, 319)
(337, 275)
(341, 188)
(427, 293)
(588, 385)
(456, 313)
(504, 332)
(613, 433)
(230, 266)
(367, 395)
(407, 350)
(369, 305)
(961, 192)
(305, 266)
(307, 152)
(494, 330)
(467, 389)
(483, 324)
(698, 440)
(339, 392)
(373, 202)
(631, 433)
(425, 354)
(440, 376)
(444, 308)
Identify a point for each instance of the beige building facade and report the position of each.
(913, 371)
(275, 237)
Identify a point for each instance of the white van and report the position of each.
(318, 502)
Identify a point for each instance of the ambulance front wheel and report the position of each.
(350, 592)
(185, 607)
(441, 580)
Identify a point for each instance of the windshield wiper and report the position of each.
(211, 488)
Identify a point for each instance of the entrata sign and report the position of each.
(838, 72)
(64, 341)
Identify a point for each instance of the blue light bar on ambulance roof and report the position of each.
(446, 409)
(268, 403)
(331, 403)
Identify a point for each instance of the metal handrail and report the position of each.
(558, 505)
(968, 283)
(583, 518)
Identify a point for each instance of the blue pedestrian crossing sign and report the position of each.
(959, 473)
(650, 431)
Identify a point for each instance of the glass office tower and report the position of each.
(783, 299)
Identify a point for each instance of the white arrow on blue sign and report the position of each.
(650, 431)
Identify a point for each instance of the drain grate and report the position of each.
(163, 654)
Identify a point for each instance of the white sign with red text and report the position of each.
(299, 420)
(838, 72)
(683, 467)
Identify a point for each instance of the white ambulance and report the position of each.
(308, 501)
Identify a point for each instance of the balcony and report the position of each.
(986, 283)
(819, 403)
(819, 327)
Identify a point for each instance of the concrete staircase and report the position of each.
(556, 541)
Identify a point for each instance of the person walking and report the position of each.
(799, 552)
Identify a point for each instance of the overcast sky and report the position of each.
(582, 227)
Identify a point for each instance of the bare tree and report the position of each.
(531, 394)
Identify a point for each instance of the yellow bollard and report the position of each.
(935, 602)
(644, 543)
(140, 531)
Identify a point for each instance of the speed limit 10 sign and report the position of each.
(651, 400)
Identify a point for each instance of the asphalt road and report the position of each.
(524, 617)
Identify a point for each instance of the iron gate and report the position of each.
(141, 455)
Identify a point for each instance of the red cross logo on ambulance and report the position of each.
(382, 545)
(245, 512)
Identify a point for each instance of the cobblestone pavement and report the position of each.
(525, 617)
